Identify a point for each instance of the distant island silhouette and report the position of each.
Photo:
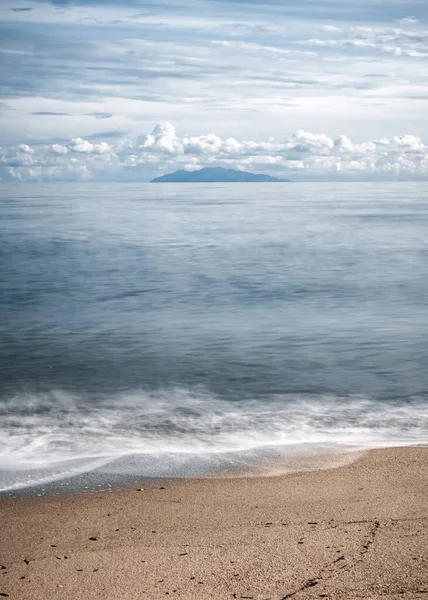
(216, 175)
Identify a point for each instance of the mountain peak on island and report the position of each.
(215, 175)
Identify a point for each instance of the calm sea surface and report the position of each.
(182, 323)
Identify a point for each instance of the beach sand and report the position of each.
(355, 531)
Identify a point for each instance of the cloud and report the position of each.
(100, 115)
(387, 40)
(238, 67)
(408, 20)
(49, 113)
(85, 147)
(18, 10)
(303, 155)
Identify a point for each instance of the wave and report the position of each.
(45, 437)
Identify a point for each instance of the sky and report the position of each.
(129, 90)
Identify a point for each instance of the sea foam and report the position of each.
(179, 432)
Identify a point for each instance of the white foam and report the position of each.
(51, 436)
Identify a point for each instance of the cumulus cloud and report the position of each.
(303, 153)
(80, 145)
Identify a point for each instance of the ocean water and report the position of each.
(178, 329)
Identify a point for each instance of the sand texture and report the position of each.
(357, 531)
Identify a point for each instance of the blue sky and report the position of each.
(128, 90)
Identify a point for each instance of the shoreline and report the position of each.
(358, 530)
(117, 474)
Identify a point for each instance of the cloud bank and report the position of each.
(302, 155)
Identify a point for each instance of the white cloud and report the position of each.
(163, 139)
(408, 20)
(304, 153)
(398, 41)
(58, 149)
(25, 148)
(80, 145)
(244, 67)
(310, 142)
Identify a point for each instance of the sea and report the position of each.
(178, 330)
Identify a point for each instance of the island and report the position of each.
(216, 175)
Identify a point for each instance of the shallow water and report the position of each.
(192, 325)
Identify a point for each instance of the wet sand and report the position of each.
(355, 531)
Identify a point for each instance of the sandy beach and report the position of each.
(356, 531)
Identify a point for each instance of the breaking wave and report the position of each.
(46, 437)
